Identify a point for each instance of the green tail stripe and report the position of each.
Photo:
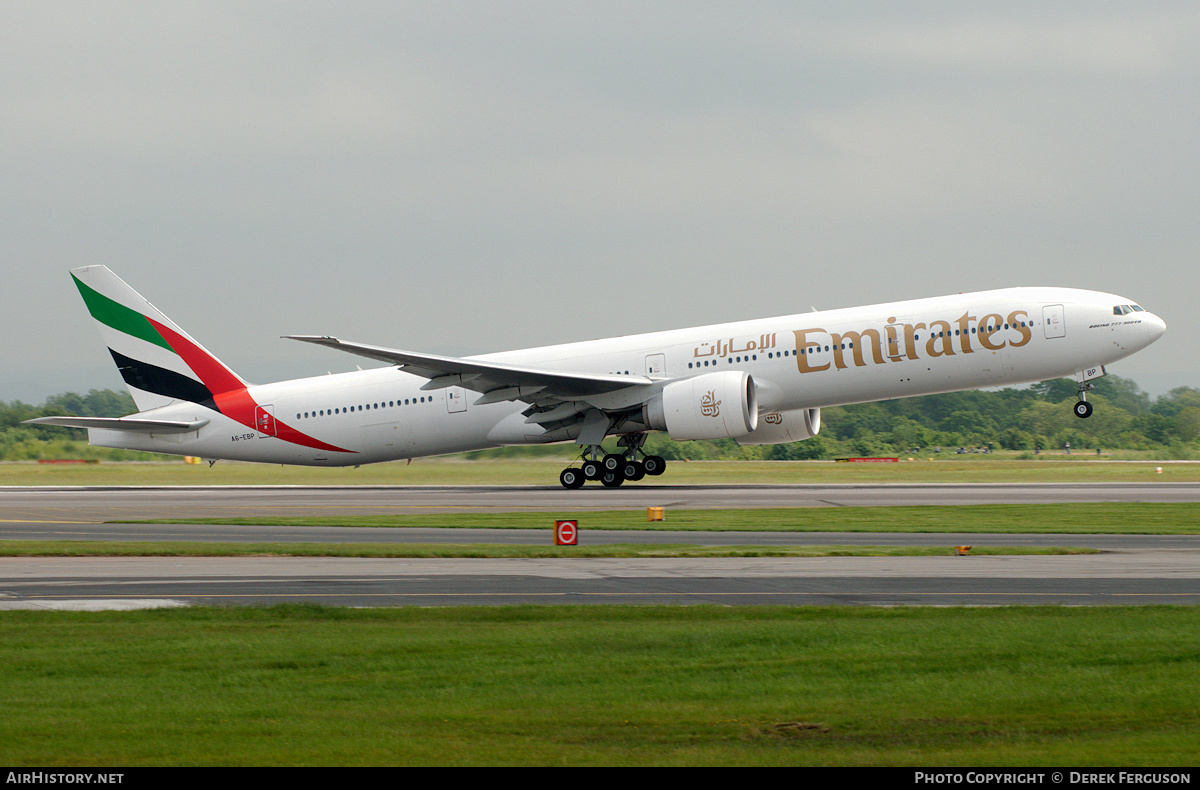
(119, 317)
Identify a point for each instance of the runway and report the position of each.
(1133, 569)
(1142, 577)
(96, 504)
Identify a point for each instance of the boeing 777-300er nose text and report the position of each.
(763, 381)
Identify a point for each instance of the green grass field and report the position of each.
(455, 471)
(82, 548)
(602, 686)
(1149, 518)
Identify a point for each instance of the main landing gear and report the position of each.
(613, 469)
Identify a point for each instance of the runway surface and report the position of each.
(1133, 569)
(1118, 578)
(107, 504)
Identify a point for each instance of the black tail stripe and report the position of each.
(161, 381)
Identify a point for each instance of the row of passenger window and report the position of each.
(754, 357)
(731, 360)
(996, 328)
(366, 406)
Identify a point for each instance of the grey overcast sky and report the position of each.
(463, 177)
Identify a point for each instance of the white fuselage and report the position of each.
(804, 361)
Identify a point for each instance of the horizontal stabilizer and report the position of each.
(122, 424)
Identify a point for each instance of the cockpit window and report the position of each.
(1126, 309)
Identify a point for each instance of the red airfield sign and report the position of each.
(566, 533)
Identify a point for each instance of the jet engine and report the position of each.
(712, 406)
(781, 427)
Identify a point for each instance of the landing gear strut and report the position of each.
(1083, 409)
(613, 469)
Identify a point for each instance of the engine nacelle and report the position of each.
(781, 427)
(712, 406)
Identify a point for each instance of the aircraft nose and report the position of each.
(1155, 326)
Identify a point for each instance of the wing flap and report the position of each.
(498, 381)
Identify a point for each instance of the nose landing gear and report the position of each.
(1083, 409)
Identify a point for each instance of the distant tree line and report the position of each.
(26, 442)
(1030, 420)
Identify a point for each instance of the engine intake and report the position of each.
(781, 427)
(712, 406)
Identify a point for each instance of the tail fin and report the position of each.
(159, 361)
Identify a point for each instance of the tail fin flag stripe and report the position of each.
(216, 377)
(119, 317)
(160, 381)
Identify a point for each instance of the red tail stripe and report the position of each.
(229, 391)
(238, 405)
(215, 376)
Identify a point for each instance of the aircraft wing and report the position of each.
(134, 424)
(497, 381)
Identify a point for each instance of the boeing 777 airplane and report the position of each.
(763, 381)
